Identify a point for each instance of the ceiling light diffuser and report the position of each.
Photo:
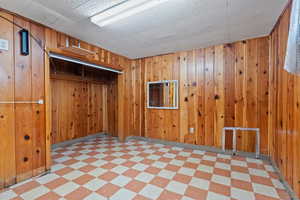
(124, 10)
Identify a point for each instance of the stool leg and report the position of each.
(257, 144)
(223, 139)
(234, 140)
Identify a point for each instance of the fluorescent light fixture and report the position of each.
(124, 10)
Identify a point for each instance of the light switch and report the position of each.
(3, 44)
(192, 130)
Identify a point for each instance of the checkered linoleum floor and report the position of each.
(103, 168)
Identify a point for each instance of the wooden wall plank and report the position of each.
(38, 92)
(184, 96)
(229, 54)
(251, 120)
(23, 112)
(191, 136)
(200, 63)
(240, 91)
(174, 134)
(7, 115)
(210, 104)
(48, 108)
(143, 97)
(263, 92)
(121, 118)
(219, 120)
(112, 108)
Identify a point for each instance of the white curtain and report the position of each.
(292, 59)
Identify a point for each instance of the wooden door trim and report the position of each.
(48, 112)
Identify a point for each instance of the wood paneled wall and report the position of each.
(25, 129)
(22, 128)
(7, 117)
(284, 105)
(131, 100)
(224, 85)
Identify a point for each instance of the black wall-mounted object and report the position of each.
(24, 38)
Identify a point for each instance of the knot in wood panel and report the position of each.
(26, 137)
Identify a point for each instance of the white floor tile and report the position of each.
(205, 168)
(200, 183)
(194, 160)
(238, 163)
(242, 194)
(222, 166)
(7, 195)
(144, 177)
(166, 174)
(176, 187)
(151, 191)
(210, 158)
(221, 180)
(121, 180)
(97, 172)
(265, 190)
(140, 167)
(35, 193)
(95, 196)
(123, 194)
(159, 164)
(187, 171)
(241, 176)
(66, 188)
(177, 162)
(73, 175)
(95, 184)
(258, 172)
(215, 196)
(47, 178)
(119, 169)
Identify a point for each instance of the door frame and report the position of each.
(48, 107)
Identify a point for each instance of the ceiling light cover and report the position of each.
(124, 10)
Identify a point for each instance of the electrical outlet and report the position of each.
(192, 130)
(3, 44)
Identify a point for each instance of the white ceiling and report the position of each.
(172, 26)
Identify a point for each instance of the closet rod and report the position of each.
(41, 101)
(73, 60)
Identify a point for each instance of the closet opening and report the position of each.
(83, 100)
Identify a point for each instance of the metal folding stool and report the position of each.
(234, 129)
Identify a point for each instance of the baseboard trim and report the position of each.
(218, 150)
(198, 147)
(81, 139)
(287, 186)
(20, 182)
